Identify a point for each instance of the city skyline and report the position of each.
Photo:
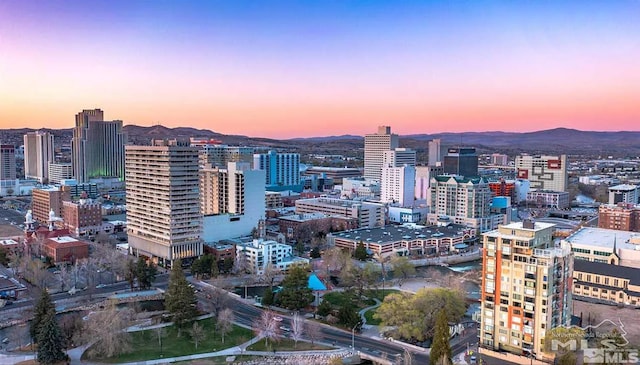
(284, 70)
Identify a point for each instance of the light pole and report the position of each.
(353, 336)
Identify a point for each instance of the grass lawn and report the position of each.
(145, 343)
(378, 294)
(369, 316)
(219, 360)
(286, 344)
(339, 299)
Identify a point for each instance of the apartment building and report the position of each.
(47, 199)
(261, 253)
(164, 221)
(624, 193)
(543, 172)
(282, 170)
(368, 214)
(38, 154)
(398, 185)
(622, 217)
(549, 199)
(525, 287)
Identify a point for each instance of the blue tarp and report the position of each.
(315, 283)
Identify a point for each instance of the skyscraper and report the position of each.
(398, 185)
(435, 152)
(398, 157)
(38, 153)
(461, 161)
(374, 147)
(526, 287)
(97, 146)
(544, 172)
(7, 162)
(282, 170)
(164, 221)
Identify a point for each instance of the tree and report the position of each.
(349, 317)
(267, 297)
(197, 334)
(313, 331)
(217, 300)
(42, 308)
(180, 298)
(106, 329)
(360, 252)
(440, 347)
(267, 327)
(161, 333)
(297, 328)
(270, 273)
(50, 344)
(324, 308)
(224, 322)
(335, 259)
(130, 273)
(146, 274)
(354, 276)
(295, 293)
(4, 256)
(402, 267)
(315, 253)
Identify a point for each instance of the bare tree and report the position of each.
(66, 277)
(224, 323)
(161, 332)
(297, 328)
(197, 334)
(313, 332)
(217, 300)
(270, 273)
(106, 327)
(267, 327)
(334, 259)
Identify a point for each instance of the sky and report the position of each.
(285, 69)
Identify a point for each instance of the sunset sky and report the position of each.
(317, 68)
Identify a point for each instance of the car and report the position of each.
(473, 359)
(285, 328)
(277, 319)
(99, 286)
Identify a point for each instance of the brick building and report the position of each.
(65, 249)
(46, 199)
(293, 226)
(83, 217)
(621, 217)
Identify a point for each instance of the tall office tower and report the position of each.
(461, 161)
(624, 193)
(435, 152)
(462, 201)
(526, 287)
(232, 200)
(7, 162)
(38, 153)
(423, 181)
(498, 159)
(374, 147)
(282, 170)
(97, 146)
(543, 172)
(399, 157)
(398, 185)
(164, 220)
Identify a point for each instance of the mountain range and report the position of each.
(558, 140)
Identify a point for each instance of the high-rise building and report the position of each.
(164, 221)
(232, 200)
(282, 170)
(7, 162)
(543, 172)
(498, 159)
(374, 147)
(47, 199)
(435, 152)
(97, 146)
(59, 172)
(398, 185)
(462, 201)
(399, 157)
(461, 161)
(38, 154)
(218, 155)
(423, 181)
(624, 193)
(526, 287)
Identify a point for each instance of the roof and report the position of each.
(602, 237)
(519, 225)
(65, 241)
(625, 187)
(315, 283)
(393, 233)
(599, 268)
(460, 179)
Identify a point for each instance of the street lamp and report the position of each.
(353, 336)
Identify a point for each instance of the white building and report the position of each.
(232, 200)
(399, 157)
(398, 185)
(423, 181)
(543, 172)
(607, 246)
(368, 214)
(435, 152)
(38, 154)
(59, 172)
(164, 220)
(498, 159)
(374, 147)
(624, 193)
(551, 199)
(360, 188)
(260, 253)
(282, 169)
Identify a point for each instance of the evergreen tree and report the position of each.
(324, 308)
(180, 298)
(50, 347)
(348, 316)
(441, 348)
(315, 253)
(44, 306)
(267, 298)
(296, 293)
(361, 252)
(146, 274)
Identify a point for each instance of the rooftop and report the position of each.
(625, 187)
(600, 268)
(7, 242)
(520, 225)
(304, 217)
(393, 233)
(602, 237)
(63, 239)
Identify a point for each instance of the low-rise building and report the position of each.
(368, 214)
(624, 193)
(260, 253)
(605, 246)
(550, 199)
(293, 226)
(273, 200)
(83, 217)
(606, 282)
(622, 217)
(406, 239)
(65, 249)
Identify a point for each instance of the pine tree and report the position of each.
(146, 274)
(441, 348)
(180, 298)
(50, 348)
(295, 293)
(41, 309)
(361, 252)
(267, 297)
